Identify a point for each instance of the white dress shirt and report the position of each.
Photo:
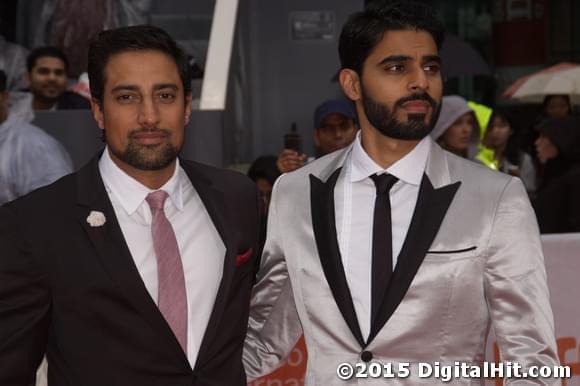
(354, 197)
(201, 248)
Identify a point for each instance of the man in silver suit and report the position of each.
(393, 250)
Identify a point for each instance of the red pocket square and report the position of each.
(242, 258)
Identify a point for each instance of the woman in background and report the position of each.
(500, 137)
(457, 129)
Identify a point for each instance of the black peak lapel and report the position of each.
(114, 254)
(432, 204)
(324, 227)
(214, 202)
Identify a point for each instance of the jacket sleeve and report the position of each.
(516, 287)
(274, 326)
(24, 305)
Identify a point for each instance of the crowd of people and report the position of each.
(546, 156)
(31, 82)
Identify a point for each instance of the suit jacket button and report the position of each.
(366, 356)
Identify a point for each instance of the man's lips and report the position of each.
(417, 107)
(149, 137)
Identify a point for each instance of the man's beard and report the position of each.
(40, 93)
(148, 157)
(383, 118)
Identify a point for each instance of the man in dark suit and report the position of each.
(137, 269)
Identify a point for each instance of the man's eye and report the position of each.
(126, 98)
(432, 68)
(167, 97)
(396, 68)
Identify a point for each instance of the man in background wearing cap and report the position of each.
(335, 129)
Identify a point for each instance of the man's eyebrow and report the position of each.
(405, 58)
(432, 58)
(131, 87)
(162, 86)
(124, 87)
(395, 58)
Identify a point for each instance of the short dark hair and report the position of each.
(512, 149)
(264, 167)
(135, 38)
(364, 30)
(42, 52)
(2, 81)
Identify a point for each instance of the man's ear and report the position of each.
(350, 83)
(97, 109)
(188, 108)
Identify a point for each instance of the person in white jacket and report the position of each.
(29, 157)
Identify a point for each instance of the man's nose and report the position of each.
(418, 81)
(148, 114)
(338, 133)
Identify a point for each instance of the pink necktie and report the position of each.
(172, 298)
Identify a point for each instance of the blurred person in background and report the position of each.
(29, 158)
(501, 137)
(47, 81)
(556, 146)
(264, 172)
(540, 146)
(549, 144)
(13, 63)
(558, 149)
(557, 106)
(334, 128)
(457, 130)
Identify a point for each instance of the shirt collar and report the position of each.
(131, 193)
(409, 169)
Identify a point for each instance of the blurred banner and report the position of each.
(563, 269)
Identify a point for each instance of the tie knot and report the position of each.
(384, 182)
(156, 200)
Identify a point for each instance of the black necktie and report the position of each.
(382, 265)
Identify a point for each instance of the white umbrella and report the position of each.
(536, 87)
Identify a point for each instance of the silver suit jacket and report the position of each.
(472, 259)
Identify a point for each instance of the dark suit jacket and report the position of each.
(74, 292)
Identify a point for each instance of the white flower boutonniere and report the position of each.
(96, 218)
